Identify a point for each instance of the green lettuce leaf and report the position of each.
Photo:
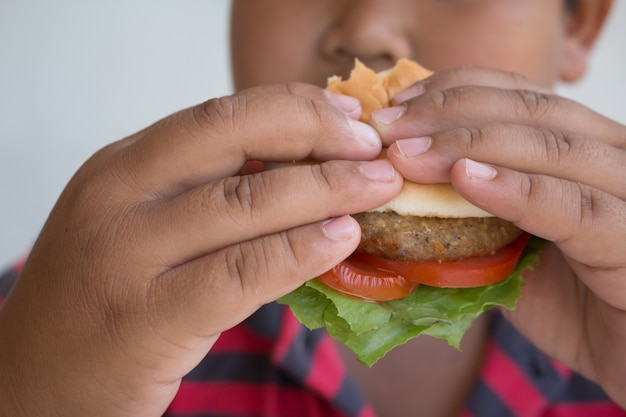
(371, 329)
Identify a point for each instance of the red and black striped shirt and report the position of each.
(271, 366)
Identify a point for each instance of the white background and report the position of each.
(76, 75)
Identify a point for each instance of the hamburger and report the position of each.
(429, 262)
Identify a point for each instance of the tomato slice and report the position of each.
(477, 271)
(374, 278)
(359, 279)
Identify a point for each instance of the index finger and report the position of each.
(462, 107)
(216, 138)
(469, 76)
(536, 98)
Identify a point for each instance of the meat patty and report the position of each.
(415, 239)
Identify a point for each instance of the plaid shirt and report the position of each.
(271, 366)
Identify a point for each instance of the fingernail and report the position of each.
(412, 92)
(339, 229)
(479, 171)
(388, 115)
(408, 148)
(343, 102)
(378, 170)
(366, 133)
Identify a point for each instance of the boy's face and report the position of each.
(309, 40)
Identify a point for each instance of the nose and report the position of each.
(375, 31)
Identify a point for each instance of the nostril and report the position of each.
(375, 33)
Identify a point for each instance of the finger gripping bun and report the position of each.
(375, 91)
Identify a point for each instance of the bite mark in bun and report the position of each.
(376, 90)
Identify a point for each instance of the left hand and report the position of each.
(554, 168)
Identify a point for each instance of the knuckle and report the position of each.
(253, 263)
(535, 104)
(517, 80)
(239, 263)
(302, 90)
(589, 200)
(223, 113)
(235, 261)
(472, 136)
(314, 110)
(293, 88)
(441, 100)
(289, 245)
(449, 77)
(556, 145)
(239, 196)
(596, 209)
(450, 100)
(300, 258)
(527, 186)
(322, 175)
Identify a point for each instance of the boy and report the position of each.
(157, 246)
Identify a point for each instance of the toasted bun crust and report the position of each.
(375, 91)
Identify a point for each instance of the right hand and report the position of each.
(158, 244)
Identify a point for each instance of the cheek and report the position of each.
(521, 42)
(272, 46)
(529, 49)
(259, 60)
(532, 56)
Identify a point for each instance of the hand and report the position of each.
(157, 245)
(554, 168)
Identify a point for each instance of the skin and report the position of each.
(157, 245)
